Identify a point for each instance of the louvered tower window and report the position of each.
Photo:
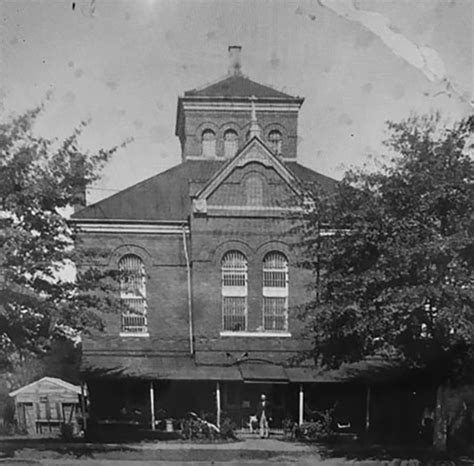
(274, 139)
(133, 294)
(275, 292)
(208, 143)
(234, 292)
(231, 143)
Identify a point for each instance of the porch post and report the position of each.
(152, 405)
(218, 403)
(367, 411)
(301, 406)
(83, 408)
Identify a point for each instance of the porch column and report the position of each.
(83, 407)
(152, 405)
(367, 411)
(301, 406)
(218, 403)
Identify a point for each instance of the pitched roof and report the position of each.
(166, 196)
(162, 197)
(254, 150)
(53, 380)
(237, 86)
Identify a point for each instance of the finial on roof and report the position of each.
(254, 127)
(235, 66)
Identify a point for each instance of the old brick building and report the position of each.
(212, 277)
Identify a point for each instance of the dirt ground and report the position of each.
(252, 451)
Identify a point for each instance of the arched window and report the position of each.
(133, 294)
(208, 143)
(231, 143)
(254, 190)
(274, 139)
(234, 292)
(275, 292)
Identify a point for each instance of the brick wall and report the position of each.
(195, 122)
(164, 260)
(212, 237)
(236, 191)
(166, 287)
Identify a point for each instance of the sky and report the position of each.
(121, 65)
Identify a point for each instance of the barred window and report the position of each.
(274, 139)
(231, 143)
(208, 143)
(234, 292)
(133, 294)
(275, 292)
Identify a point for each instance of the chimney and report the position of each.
(234, 60)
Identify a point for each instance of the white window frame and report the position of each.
(231, 270)
(133, 323)
(273, 291)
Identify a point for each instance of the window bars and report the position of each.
(274, 139)
(133, 294)
(275, 292)
(234, 291)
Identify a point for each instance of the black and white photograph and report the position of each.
(237, 232)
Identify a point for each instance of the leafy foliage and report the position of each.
(39, 178)
(396, 277)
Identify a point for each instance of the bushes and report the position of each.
(197, 428)
(320, 429)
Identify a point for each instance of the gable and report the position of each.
(46, 385)
(253, 180)
(254, 186)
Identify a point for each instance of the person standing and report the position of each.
(264, 416)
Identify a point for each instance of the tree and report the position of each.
(39, 178)
(396, 277)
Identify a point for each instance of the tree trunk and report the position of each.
(440, 432)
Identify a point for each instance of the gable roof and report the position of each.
(53, 380)
(238, 86)
(165, 196)
(254, 150)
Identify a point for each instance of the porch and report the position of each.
(157, 408)
(155, 394)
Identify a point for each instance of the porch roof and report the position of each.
(181, 367)
(154, 368)
(262, 372)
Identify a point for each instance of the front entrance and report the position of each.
(240, 401)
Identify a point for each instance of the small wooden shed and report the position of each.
(43, 406)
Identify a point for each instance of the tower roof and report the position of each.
(238, 85)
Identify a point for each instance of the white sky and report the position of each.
(123, 64)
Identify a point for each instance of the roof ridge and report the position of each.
(271, 86)
(210, 83)
(214, 87)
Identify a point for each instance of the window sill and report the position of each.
(256, 334)
(134, 335)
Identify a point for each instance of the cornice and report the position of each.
(123, 226)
